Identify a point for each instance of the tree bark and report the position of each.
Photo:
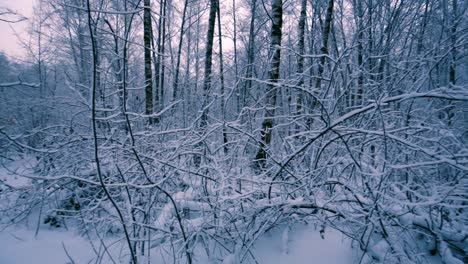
(208, 63)
(324, 49)
(360, 40)
(300, 57)
(147, 34)
(159, 64)
(273, 76)
(250, 55)
(176, 76)
(221, 76)
(236, 68)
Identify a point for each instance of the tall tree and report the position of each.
(250, 54)
(360, 41)
(221, 75)
(300, 56)
(175, 86)
(208, 63)
(273, 76)
(159, 67)
(147, 35)
(324, 49)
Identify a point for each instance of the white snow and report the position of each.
(19, 246)
(305, 246)
(11, 173)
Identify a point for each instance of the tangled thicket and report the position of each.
(368, 134)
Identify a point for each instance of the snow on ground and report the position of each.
(10, 172)
(305, 246)
(19, 246)
(296, 245)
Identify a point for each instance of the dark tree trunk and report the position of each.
(250, 55)
(147, 34)
(221, 75)
(177, 70)
(159, 64)
(208, 63)
(300, 57)
(324, 49)
(273, 76)
(360, 40)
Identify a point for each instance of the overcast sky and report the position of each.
(8, 40)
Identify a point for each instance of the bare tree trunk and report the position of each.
(159, 65)
(312, 40)
(453, 60)
(324, 49)
(250, 55)
(208, 63)
(300, 57)
(176, 76)
(221, 76)
(360, 39)
(236, 68)
(197, 50)
(273, 76)
(370, 38)
(453, 38)
(147, 34)
(40, 72)
(186, 93)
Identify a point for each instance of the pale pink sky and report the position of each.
(8, 40)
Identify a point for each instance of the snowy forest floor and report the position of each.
(18, 245)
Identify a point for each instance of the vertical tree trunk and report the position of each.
(324, 49)
(360, 39)
(453, 60)
(162, 53)
(250, 55)
(236, 69)
(197, 50)
(186, 93)
(370, 38)
(147, 33)
(159, 64)
(453, 38)
(40, 72)
(273, 76)
(176, 76)
(221, 76)
(208, 63)
(300, 57)
(312, 42)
